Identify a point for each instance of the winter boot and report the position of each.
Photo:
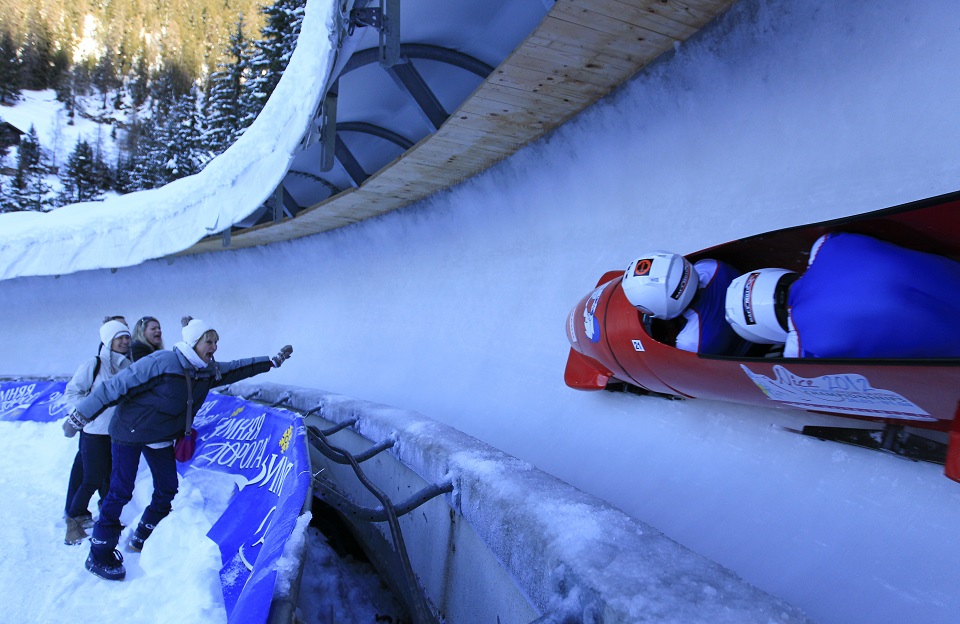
(86, 521)
(75, 531)
(139, 537)
(109, 567)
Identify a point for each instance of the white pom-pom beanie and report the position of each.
(194, 330)
(112, 329)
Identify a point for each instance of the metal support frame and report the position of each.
(390, 33)
(386, 19)
(396, 58)
(350, 163)
(344, 505)
(328, 127)
(290, 205)
(345, 156)
(388, 511)
(424, 51)
(343, 22)
(276, 203)
(377, 131)
(407, 77)
(315, 178)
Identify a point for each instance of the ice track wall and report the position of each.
(511, 543)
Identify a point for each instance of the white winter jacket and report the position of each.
(83, 383)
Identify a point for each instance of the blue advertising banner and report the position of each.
(262, 447)
(32, 400)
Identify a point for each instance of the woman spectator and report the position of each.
(95, 463)
(147, 337)
(156, 398)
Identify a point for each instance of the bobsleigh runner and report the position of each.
(615, 346)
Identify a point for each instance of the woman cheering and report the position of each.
(155, 399)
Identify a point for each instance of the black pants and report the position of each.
(95, 476)
(126, 461)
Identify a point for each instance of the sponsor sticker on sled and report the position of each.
(844, 393)
(591, 326)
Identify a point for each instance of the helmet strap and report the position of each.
(781, 297)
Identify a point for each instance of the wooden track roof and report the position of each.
(580, 52)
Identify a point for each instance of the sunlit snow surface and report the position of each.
(783, 113)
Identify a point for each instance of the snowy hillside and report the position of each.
(784, 112)
(230, 187)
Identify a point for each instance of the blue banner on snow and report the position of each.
(32, 400)
(262, 447)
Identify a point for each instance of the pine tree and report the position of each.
(138, 81)
(105, 76)
(66, 94)
(28, 153)
(273, 51)
(224, 103)
(165, 141)
(102, 171)
(6, 200)
(79, 176)
(146, 166)
(179, 134)
(30, 188)
(189, 133)
(123, 175)
(9, 69)
(7, 203)
(37, 58)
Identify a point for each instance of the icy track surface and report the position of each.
(784, 112)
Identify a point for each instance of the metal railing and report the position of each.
(388, 511)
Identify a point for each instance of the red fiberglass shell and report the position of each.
(609, 341)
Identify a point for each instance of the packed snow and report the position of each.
(175, 578)
(783, 113)
(56, 132)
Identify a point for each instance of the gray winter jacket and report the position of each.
(151, 395)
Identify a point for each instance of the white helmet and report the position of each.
(756, 305)
(661, 284)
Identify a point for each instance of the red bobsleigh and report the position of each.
(613, 346)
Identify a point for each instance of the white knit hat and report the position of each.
(112, 329)
(193, 330)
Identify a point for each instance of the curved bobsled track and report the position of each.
(780, 113)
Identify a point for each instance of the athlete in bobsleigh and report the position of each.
(859, 298)
(688, 300)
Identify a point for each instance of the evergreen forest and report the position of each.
(177, 81)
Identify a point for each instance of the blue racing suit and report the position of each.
(866, 298)
(706, 330)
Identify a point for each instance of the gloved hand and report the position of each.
(74, 423)
(282, 357)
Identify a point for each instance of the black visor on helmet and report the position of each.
(780, 297)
